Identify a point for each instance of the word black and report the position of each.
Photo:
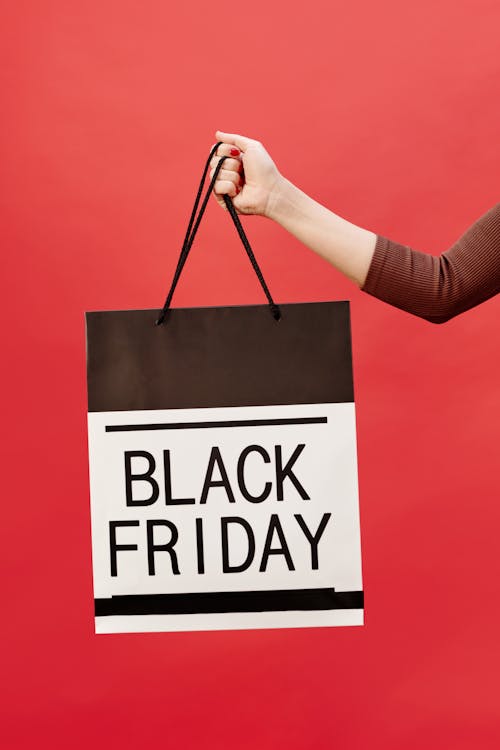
(282, 472)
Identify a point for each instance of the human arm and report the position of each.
(256, 186)
(434, 288)
(349, 248)
(437, 288)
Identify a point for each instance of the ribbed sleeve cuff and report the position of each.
(376, 266)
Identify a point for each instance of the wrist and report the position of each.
(280, 201)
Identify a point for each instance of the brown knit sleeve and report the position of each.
(439, 287)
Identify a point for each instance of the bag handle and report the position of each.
(190, 235)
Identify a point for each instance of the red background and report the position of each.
(388, 114)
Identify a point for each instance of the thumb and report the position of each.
(234, 139)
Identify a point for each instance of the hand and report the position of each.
(249, 176)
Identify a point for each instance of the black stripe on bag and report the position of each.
(229, 601)
(213, 425)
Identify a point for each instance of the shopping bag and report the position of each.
(223, 466)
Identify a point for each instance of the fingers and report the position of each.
(221, 202)
(226, 174)
(234, 165)
(232, 171)
(228, 187)
(240, 141)
(229, 178)
(226, 149)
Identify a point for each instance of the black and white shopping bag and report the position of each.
(223, 469)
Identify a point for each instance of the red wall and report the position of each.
(386, 112)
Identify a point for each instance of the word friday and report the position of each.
(284, 480)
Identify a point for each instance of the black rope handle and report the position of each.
(191, 233)
(253, 260)
(180, 262)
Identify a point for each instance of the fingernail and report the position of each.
(234, 152)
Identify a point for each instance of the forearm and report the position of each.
(434, 288)
(346, 246)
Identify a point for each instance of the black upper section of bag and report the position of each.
(219, 356)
